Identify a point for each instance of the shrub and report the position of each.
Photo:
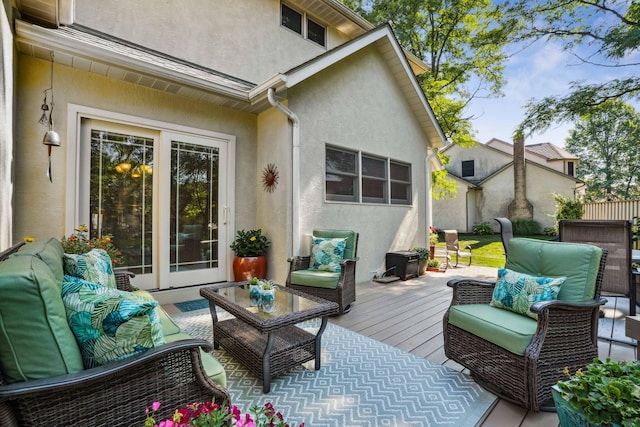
(526, 227)
(423, 253)
(482, 229)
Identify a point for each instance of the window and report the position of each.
(379, 180)
(293, 20)
(468, 168)
(570, 170)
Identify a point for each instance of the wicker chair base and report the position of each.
(343, 296)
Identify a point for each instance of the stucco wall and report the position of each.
(486, 161)
(451, 214)
(6, 130)
(213, 34)
(40, 205)
(351, 108)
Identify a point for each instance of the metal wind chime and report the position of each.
(51, 137)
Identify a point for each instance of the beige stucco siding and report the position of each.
(40, 205)
(357, 105)
(486, 161)
(450, 214)
(213, 34)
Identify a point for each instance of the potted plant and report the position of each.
(423, 254)
(601, 394)
(249, 247)
(433, 265)
(79, 243)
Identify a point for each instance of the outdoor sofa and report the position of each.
(43, 380)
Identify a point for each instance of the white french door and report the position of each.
(161, 195)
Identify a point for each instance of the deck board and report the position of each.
(408, 315)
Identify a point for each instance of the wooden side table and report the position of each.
(632, 330)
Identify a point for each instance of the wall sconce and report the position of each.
(51, 137)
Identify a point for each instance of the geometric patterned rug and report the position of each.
(362, 383)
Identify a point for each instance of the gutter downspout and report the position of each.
(428, 202)
(295, 178)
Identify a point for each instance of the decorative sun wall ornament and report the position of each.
(270, 178)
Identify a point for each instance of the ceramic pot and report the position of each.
(244, 268)
(432, 252)
(268, 302)
(255, 295)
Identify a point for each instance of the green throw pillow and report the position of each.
(326, 254)
(109, 324)
(518, 291)
(94, 266)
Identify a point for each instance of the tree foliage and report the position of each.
(606, 141)
(463, 43)
(606, 32)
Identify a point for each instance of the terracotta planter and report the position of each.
(432, 252)
(433, 269)
(244, 268)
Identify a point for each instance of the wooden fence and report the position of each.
(626, 209)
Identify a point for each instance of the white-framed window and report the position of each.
(353, 176)
(301, 23)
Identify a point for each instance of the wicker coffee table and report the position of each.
(267, 344)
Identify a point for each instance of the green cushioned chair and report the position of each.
(515, 356)
(339, 287)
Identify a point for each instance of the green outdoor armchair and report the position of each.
(511, 353)
(337, 286)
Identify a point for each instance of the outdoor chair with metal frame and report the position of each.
(452, 247)
(506, 232)
(616, 236)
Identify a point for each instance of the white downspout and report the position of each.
(295, 178)
(428, 202)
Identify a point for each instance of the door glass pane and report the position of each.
(121, 195)
(194, 207)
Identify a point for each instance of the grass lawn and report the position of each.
(486, 250)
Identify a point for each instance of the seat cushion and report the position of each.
(316, 279)
(326, 254)
(35, 339)
(49, 251)
(509, 330)
(518, 291)
(109, 324)
(211, 365)
(95, 266)
(579, 263)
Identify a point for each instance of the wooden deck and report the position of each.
(408, 315)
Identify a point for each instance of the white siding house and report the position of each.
(484, 176)
(236, 86)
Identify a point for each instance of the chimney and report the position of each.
(519, 208)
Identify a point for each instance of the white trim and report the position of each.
(75, 114)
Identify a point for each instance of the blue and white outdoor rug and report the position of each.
(361, 383)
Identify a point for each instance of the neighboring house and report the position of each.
(169, 116)
(485, 180)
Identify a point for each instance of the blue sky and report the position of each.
(542, 69)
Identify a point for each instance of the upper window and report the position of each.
(570, 168)
(356, 177)
(468, 168)
(303, 25)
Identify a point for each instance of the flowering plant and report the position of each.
(250, 243)
(433, 236)
(211, 414)
(79, 243)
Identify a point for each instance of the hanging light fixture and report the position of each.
(51, 137)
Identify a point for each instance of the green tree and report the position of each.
(597, 32)
(463, 43)
(606, 141)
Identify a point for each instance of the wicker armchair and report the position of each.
(116, 393)
(337, 287)
(616, 236)
(564, 335)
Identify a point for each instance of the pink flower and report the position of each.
(155, 406)
(247, 422)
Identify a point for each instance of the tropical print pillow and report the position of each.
(94, 266)
(518, 291)
(326, 254)
(109, 324)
